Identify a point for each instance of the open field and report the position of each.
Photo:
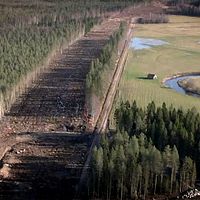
(182, 54)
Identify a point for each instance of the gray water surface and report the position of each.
(138, 43)
(173, 84)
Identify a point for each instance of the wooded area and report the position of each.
(103, 68)
(94, 77)
(32, 32)
(155, 151)
(185, 7)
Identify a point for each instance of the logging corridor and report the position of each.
(53, 102)
(59, 93)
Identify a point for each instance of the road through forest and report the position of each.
(42, 145)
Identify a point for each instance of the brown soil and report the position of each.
(42, 163)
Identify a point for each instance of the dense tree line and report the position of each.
(185, 7)
(154, 151)
(32, 31)
(187, 10)
(162, 125)
(101, 71)
(176, 2)
(94, 77)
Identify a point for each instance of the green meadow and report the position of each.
(181, 55)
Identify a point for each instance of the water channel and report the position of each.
(173, 84)
(138, 43)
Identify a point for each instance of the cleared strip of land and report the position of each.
(40, 155)
(56, 100)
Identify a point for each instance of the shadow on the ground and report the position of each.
(60, 91)
(143, 78)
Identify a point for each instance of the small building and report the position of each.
(152, 76)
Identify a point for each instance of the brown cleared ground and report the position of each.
(41, 162)
(56, 100)
(54, 103)
(39, 156)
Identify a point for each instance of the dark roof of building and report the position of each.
(151, 75)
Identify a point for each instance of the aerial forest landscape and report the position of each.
(99, 99)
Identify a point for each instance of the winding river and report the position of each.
(139, 43)
(173, 84)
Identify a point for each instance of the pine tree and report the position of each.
(174, 167)
(98, 164)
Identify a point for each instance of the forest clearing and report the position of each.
(60, 68)
(44, 133)
(180, 55)
(52, 110)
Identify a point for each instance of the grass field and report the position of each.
(182, 54)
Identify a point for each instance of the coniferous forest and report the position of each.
(185, 7)
(94, 78)
(32, 32)
(154, 151)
